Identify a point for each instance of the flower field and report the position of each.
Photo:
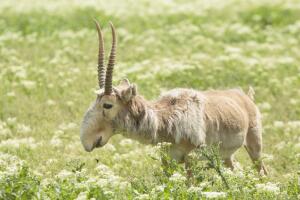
(48, 76)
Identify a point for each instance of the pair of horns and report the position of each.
(105, 79)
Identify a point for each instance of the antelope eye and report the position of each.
(107, 106)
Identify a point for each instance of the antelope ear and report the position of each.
(134, 89)
(129, 93)
(125, 82)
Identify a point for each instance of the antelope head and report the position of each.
(96, 128)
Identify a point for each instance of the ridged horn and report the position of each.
(111, 62)
(101, 68)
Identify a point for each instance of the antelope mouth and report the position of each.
(98, 144)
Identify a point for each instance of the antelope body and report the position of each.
(186, 118)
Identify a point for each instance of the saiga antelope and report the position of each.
(187, 118)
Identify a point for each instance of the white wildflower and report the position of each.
(125, 142)
(177, 177)
(293, 101)
(11, 94)
(280, 145)
(22, 128)
(28, 84)
(294, 124)
(16, 143)
(117, 157)
(265, 106)
(4, 130)
(70, 103)
(210, 195)
(228, 171)
(91, 180)
(51, 161)
(268, 157)
(108, 193)
(45, 182)
(37, 173)
(142, 197)
(159, 188)
(278, 124)
(80, 185)
(9, 164)
(110, 147)
(58, 133)
(50, 102)
(64, 174)
(75, 70)
(286, 60)
(61, 74)
(102, 182)
(82, 196)
(268, 187)
(56, 142)
(104, 170)
(11, 121)
(123, 185)
(231, 49)
(21, 73)
(50, 85)
(67, 126)
(288, 175)
(164, 144)
(194, 189)
(297, 146)
(204, 184)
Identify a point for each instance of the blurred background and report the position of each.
(48, 58)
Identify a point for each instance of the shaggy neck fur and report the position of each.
(138, 120)
(169, 119)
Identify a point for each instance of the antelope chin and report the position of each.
(88, 149)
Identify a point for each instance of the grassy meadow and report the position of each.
(48, 58)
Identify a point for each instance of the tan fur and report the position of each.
(184, 117)
(187, 118)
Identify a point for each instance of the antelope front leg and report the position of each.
(181, 156)
(177, 154)
(189, 173)
(174, 153)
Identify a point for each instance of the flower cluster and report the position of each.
(48, 56)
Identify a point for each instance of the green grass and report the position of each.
(161, 46)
